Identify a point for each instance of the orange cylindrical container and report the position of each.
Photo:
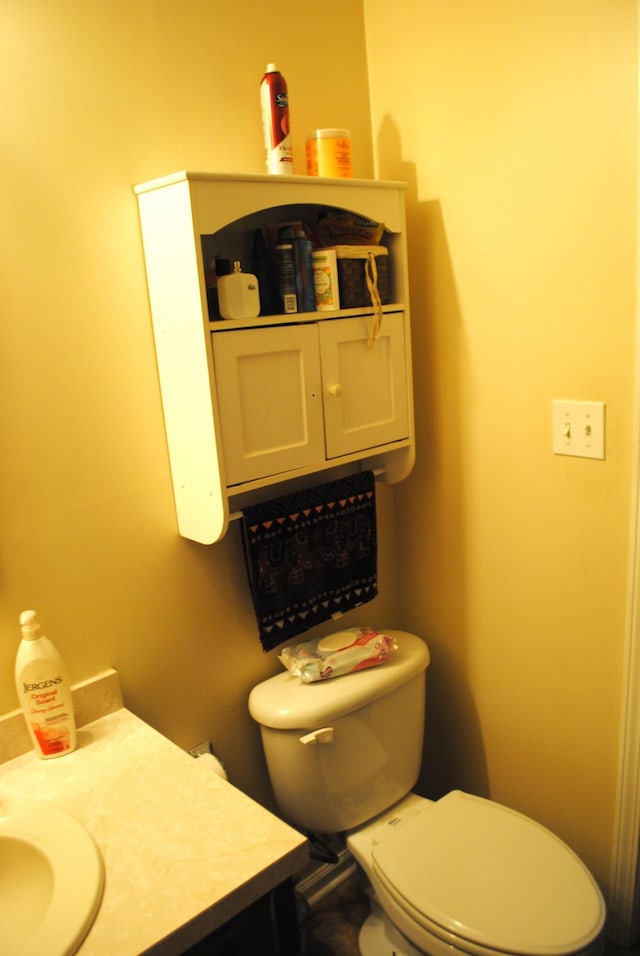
(274, 99)
(328, 153)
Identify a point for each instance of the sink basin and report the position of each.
(51, 879)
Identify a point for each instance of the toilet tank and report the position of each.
(342, 750)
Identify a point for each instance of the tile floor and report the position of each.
(332, 926)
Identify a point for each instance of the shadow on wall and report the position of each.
(430, 503)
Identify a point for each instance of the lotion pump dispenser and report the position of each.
(44, 691)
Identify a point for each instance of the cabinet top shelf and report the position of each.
(185, 175)
(297, 318)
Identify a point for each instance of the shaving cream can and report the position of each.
(274, 99)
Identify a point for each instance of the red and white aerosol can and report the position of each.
(275, 121)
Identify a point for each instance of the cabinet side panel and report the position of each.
(184, 365)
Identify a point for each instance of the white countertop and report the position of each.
(184, 850)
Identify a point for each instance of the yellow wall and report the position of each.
(96, 97)
(514, 122)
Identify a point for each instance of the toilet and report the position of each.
(458, 875)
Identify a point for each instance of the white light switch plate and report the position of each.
(578, 429)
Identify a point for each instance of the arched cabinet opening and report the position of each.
(253, 241)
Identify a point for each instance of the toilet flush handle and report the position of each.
(323, 736)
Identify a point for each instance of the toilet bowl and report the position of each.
(467, 875)
(459, 875)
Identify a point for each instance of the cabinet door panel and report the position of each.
(365, 389)
(269, 397)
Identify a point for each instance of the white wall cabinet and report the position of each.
(254, 408)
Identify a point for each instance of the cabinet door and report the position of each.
(365, 389)
(270, 400)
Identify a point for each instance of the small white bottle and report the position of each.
(238, 294)
(44, 692)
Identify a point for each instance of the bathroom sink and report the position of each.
(51, 879)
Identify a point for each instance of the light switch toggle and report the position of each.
(578, 429)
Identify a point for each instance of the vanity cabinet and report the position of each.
(255, 407)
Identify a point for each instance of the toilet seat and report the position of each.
(485, 878)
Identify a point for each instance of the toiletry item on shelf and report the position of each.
(338, 227)
(274, 99)
(211, 288)
(305, 287)
(217, 267)
(238, 294)
(363, 275)
(328, 153)
(44, 691)
(287, 276)
(325, 278)
(265, 274)
(295, 271)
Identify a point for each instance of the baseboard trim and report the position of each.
(326, 877)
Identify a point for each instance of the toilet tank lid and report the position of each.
(284, 702)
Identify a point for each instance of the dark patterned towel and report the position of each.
(311, 556)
